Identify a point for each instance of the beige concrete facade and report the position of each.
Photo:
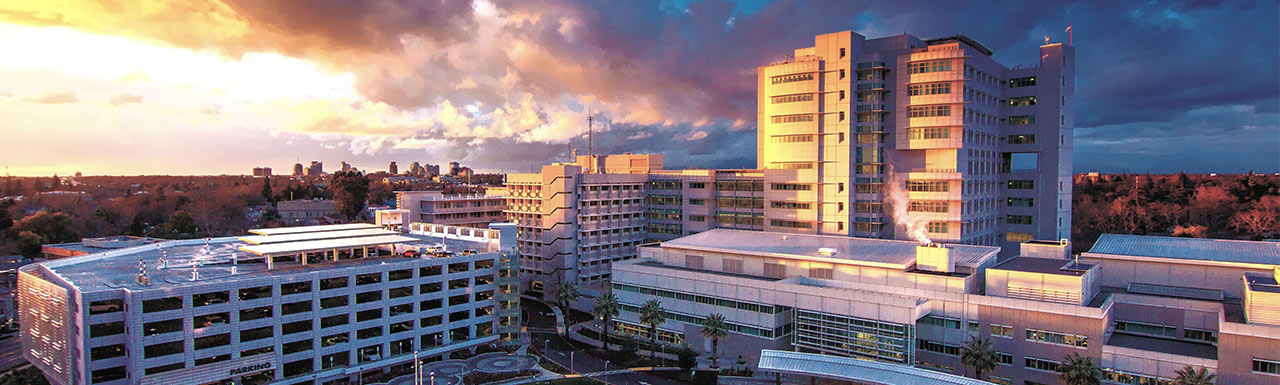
(467, 210)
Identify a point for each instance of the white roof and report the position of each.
(312, 229)
(295, 237)
(325, 244)
(855, 370)
(1218, 250)
(862, 251)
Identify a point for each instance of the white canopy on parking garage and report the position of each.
(855, 370)
(325, 245)
(313, 229)
(312, 236)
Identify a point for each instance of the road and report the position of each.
(542, 326)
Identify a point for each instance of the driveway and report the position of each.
(542, 329)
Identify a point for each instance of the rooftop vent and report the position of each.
(827, 252)
(935, 257)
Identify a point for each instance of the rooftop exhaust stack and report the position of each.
(935, 257)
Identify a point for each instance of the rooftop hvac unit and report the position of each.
(827, 251)
(935, 257)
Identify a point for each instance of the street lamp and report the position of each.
(417, 370)
(433, 378)
(571, 361)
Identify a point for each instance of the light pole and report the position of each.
(417, 370)
(571, 361)
(606, 370)
(433, 378)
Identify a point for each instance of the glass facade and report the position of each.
(854, 337)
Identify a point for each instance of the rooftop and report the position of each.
(855, 370)
(860, 251)
(214, 261)
(701, 271)
(1262, 283)
(1217, 250)
(1044, 266)
(1162, 345)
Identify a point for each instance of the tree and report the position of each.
(629, 346)
(1190, 376)
(1079, 370)
(55, 228)
(979, 355)
(350, 193)
(606, 308)
(566, 294)
(137, 227)
(651, 314)
(266, 190)
(29, 244)
(6, 220)
(181, 225)
(715, 329)
(687, 358)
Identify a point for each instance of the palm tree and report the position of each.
(979, 355)
(566, 293)
(606, 308)
(651, 314)
(715, 329)
(1190, 376)
(1079, 370)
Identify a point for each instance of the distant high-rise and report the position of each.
(415, 169)
(262, 172)
(392, 169)
(297, 169)
(316, 168)
(346, 166)
(453, 168)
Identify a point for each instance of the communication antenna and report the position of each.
(590, 120)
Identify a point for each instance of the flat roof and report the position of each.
(312, 229)
(1176, 291)
(1162, 345)
(866, 251)
(1263, 283)
(712, 272)
(1044, 266)
(1200, 249)
(295, 237)
(855, 370)
(324, 244)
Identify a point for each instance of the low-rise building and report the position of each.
(304, 211)
(467, 210)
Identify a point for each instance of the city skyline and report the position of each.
(503, 87)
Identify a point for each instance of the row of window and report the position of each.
(790, 205)
(929, 206)
(929, 133)
(790, 224)
(929, 111)
(1074, 340)
(791, 98)
(792, 118)
(791, 78)
(801, 138)
(928, 185)
(929, 66)
(928, 89)
(702, 299)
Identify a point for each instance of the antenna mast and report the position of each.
(590, 120)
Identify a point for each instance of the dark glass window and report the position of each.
(458, 299)
(207, 320)
(162, 349)
(484, 279)
(334, 320)
(210, 360)
(459, 316)
(400, 327)
(295, 288)
(369, 332)
(484, 264)
(429, 271)
(164, 368)
(105, 352)
(333, 283)
(333, 302)
(295, 327)
(106, 306)
(255, 313)
(483, 295)
(365, 279)
(459, 334)
(399, 275)
(249, 293)
(458, 267)
(430, 321)
(400, 292)
(161, 327)
(207, 299)
(369, 296)
(202, 343)
(295, 307)
(458, 283)
(110, 374)
(297, 346)
(255, 333)
(106, 329)
(370, 314)
(161, 304)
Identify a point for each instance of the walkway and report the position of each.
(450, 372)
(542, 325)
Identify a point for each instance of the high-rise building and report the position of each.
(453, 168)
(315, 169)
(300, 304)
(262, 172)
(346, 166)
(392, 169)
(922, 139)
(415, 169)
(297, 169)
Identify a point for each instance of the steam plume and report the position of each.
(916, 227)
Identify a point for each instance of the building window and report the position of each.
(775, 270)
(333, 302)
(295, 288)
(1199, 335)
(791, 78)
(1022, 101)
(1150, 329)
(942, 322)
(429, 271)
(1020, 202)
(937, 347)
(106, 306)
(1021, 120)
(257, 351)
(1266, 366)
(369, 296)
(929, 66)
(1017, 237)
(1021, 184)
(1022, 82)
(929, 89)
(210, 360)
(333, 283)
(1005, 359)
(460, 267)
(929, 206)
(400, 292)
(161, 304)
(369, 333)
(297, 346)
(399, 275)
(1022, 139)
(430, 287)
(297, 368)
(1042, 364)
(821, 273)
(334, 339)
(928, 133)
(801, 138)
(928, 186)
(1018, 219)
(251, 293)
(1004, 331)
(367, 315)
(334, 360)
(791, 98)
(431, 321)
(104, 375)
(162, 349)
(295, 327)
(929, 111)
(255, 313)
(937, 227)
(295, 307)
(792, 118)
(1056, 338)
(105, 352)
(164, 368)
(256, 333)
(790, 224)
(161, 327)
(791, 187)
(334, 320)
(366, 279)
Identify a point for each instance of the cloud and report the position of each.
(125, 99)
(54, 98)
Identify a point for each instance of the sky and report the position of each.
(220, 86)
